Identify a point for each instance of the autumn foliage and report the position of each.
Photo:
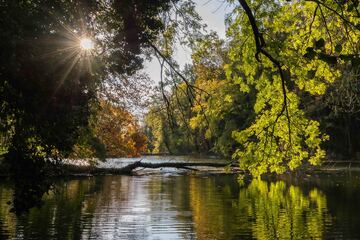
(119, 131)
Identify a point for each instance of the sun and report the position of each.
(86, 44)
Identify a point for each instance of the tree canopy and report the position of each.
(271, 95)
(50, 85)
(283, 83)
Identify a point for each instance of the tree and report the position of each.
(49, 84)
(167, 123)
(198, 120)
(295, 50)
(284, 83)
(118, 130)
(221, 108)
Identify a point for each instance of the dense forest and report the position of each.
(280, 92)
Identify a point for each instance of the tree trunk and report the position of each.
(138, 164)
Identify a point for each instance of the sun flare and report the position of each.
(86, 44)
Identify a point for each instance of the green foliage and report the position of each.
(245, 108)
(302, 36)
(221, 108)
(169, 132)
(232, 100)
(266, 144)
(202, 121)
(88, 146)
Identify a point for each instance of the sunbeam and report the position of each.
(86, 44)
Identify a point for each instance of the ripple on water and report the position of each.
(188, 207)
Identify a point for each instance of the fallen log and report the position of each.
(129, 169)
(139, 164)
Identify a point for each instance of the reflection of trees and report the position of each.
(216, 212)
(149, 206)
(283, 212)
(7, 220)
(60, 216)
(108, 207)
(262, 210)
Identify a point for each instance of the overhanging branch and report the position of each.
(260, 49)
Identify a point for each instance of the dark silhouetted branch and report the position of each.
(260, 49)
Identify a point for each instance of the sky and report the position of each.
(213, 14)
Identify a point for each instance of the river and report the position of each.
(168, 204)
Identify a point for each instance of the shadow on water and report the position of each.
(188, 207)
(28, 193)
(29, 185)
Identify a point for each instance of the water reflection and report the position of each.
(181, 207)
(285, 212)
(262, 210)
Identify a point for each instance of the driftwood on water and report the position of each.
(128, 169)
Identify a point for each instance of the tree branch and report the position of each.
(189, 88)
(175, 70)
(260, 49)
(335, 12)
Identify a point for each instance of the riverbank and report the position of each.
(178, 164)
(131, 166)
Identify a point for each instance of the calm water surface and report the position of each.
(203, 206)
